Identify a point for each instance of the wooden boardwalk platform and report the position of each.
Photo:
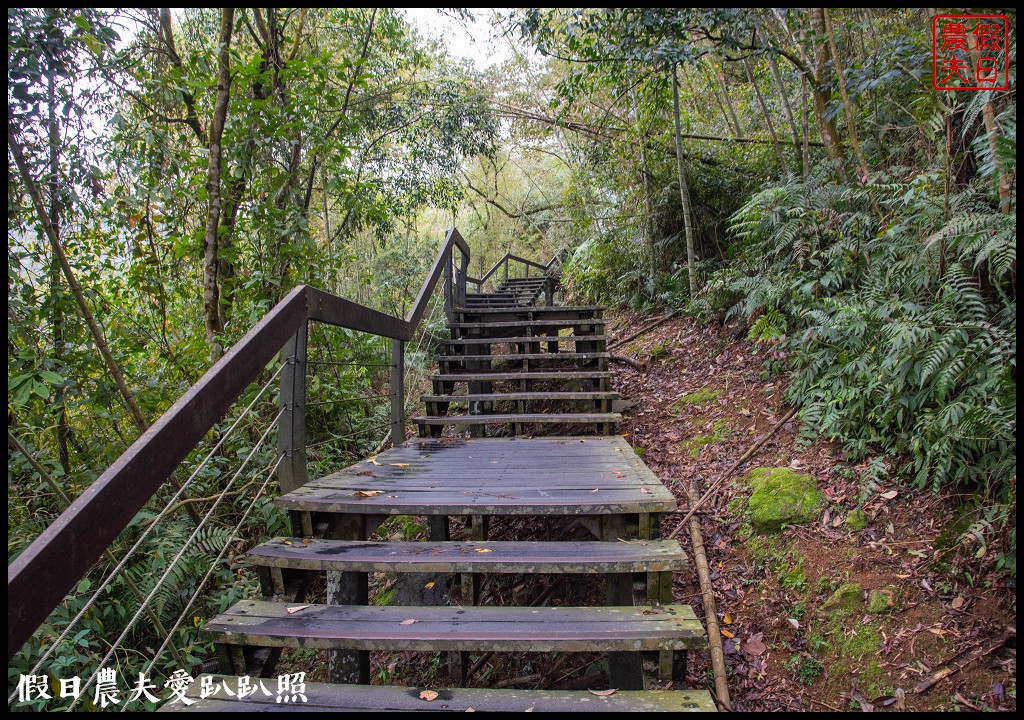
(492, 476)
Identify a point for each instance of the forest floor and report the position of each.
(704, 398)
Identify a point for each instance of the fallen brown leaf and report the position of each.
(368, 493)
(297, 608)
(410, 621)
(754, 646)
(428, 695)
(603, 693)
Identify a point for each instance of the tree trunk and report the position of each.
(1004, 176)
(720, 76)
(767, 117)
(684, 191)
(804, 123)
(649, 254)
(822, 95)
(58, 251)
(785, 99)
(56, 289)
(211, 294)
(850, 120)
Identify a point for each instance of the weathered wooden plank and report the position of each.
(523, 339)
(525, 375)
(334, 310)
(557, 309)
(518, 418)
(484, 629)
(549, 322)
(485, 503)
(525, 396)
(324, 697)
(656, 556)
(517, 357)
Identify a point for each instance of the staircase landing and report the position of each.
(492, 476)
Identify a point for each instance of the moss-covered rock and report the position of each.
(856, 520)
(846, 600)
(782, 497)
(882, 601)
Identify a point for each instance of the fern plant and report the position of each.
(902, 328)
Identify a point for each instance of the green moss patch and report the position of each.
(882, 601)
(856, 520)
(782, 497)
(694, 444)
(700, 397)
(846, 600)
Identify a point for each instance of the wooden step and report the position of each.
(523, 375)
(521, 396)
(326, 697)
(470, 557)
(551, 476)
(262, 623)
(518, 357)
(523, 418)
(542, 309)
(524, 339)
(552, 322)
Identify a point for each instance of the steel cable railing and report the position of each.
(213, 565)
(173, 563)
(149, 529)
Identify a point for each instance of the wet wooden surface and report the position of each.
(479, 557)
(492, 476)
(498, 629)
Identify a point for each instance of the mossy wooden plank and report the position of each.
(498, 629)
(661, 556)
(324, 697)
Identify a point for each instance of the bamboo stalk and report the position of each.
(700, 559)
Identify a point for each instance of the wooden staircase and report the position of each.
(510, 370)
